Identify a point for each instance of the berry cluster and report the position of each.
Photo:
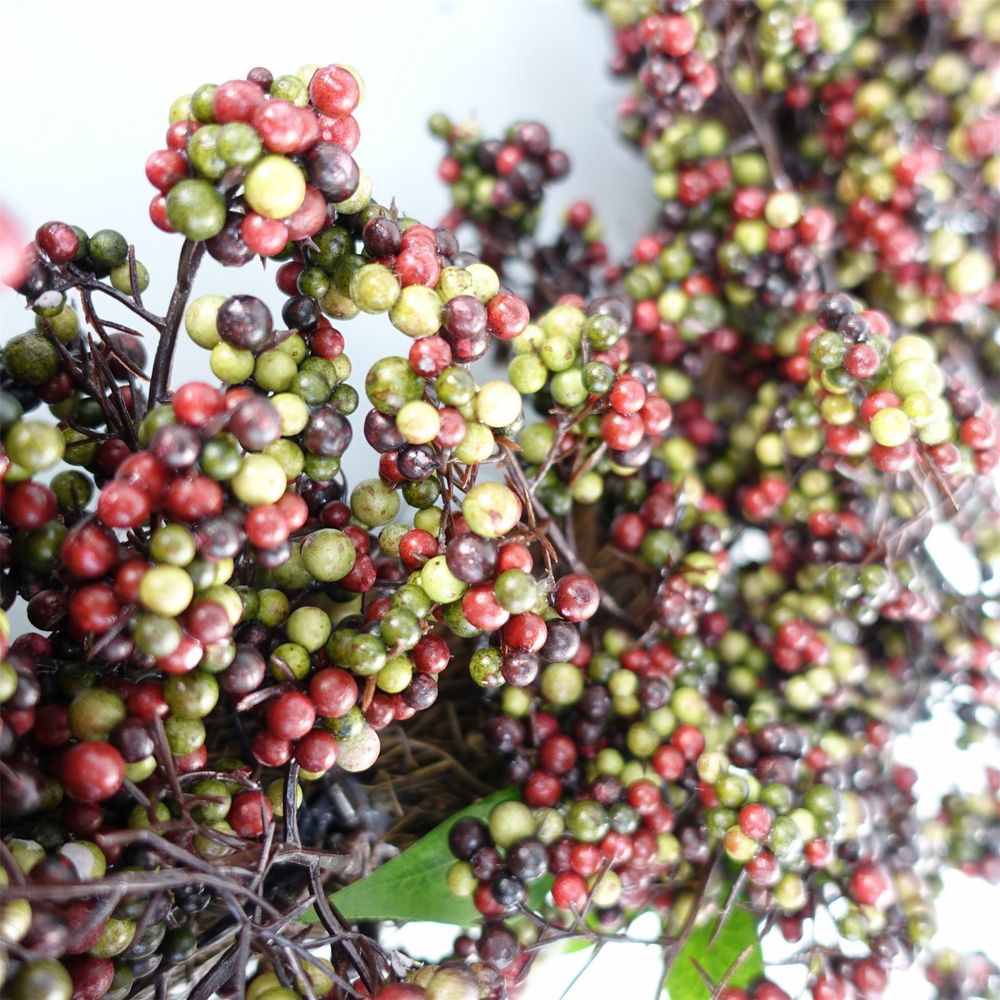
(680, 554)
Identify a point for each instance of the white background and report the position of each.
(84, 93)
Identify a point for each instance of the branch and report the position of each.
(187, 268)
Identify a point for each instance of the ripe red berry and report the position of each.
(755, 820)
(577, 597)
(291, 715)
(266, 526)
(334, 91)
(507, 316)
(122, 505)
(668, 762)
(294, 510)
(316, 751)
(334, 692)
(514, 555)
(94, 608)
(621, 431)
(196, 403)
(165, 167)
(58, 241)
(91, 976)
(763, 869)
(236, 101)
(525, 632)
(557, 754)
(250, 814)
(270, 749)
(92, 771)
(868, 884)
(344, 132)
(265, 237)
(431, 654)
(89, 551)
(30, 505)
(569, 891)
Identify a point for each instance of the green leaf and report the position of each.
(739, 933)
(413, 885)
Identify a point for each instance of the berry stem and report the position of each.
(187, 268)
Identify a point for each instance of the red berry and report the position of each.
(577, 597)
(877, 401)
(194, 498)
(250, 814)
(236, 101)
(165, 167)
(271, 750)
(431, 654)
(265, 237)
(689, 740)
(362, 576)
(334, 692)
(184, 658)
(429, 356)
(557, 754)
(569, 891)
(481, 608)
(58, 241)
(677, 36)
(416, 547)
(92, 771)
(146, 472)
(91, 976)
(94, 608)
(122, 505)
(193, 761)
(862, 361)
(30, 505)
(281, 125)
(89, 551)
(628, 531)
(179, 133)
(146, 701)
(542, 790)
(316, 751)
(763, 869)
(291, 715)
(656, 415)
(621, 432)
(343, 131)
(526, 632)
(309, 218)
(334, 91)
(196, 403)
(514, 555)
(507, 316)
(294, 510)
(266, 526)
(868, 884)
(669, 763)
(644, 796)
(755, 820)
(208, 622)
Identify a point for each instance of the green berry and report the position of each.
(196, 208)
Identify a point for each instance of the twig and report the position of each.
(187, 267)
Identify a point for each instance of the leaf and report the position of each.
(413, 885)
(739, 933)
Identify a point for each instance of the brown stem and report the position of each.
(187, 268)
(85, 280)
